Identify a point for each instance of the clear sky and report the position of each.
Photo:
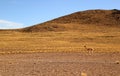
(22, 13)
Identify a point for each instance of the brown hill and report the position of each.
(73, 21)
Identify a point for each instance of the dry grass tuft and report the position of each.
(117, 62)
(83, 74)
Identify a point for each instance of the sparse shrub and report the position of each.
(83, 74)
(115, 10)
(117, 62)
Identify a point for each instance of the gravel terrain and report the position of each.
(60, 64)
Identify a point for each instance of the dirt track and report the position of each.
(60, 64)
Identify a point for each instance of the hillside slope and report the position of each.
(74, 21)
(66, 34)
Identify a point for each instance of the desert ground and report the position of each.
(60, 64)
(60, 53)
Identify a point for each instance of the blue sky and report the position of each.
(22, 13)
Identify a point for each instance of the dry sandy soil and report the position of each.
(60, 64)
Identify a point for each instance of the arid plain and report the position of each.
(57, 47)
